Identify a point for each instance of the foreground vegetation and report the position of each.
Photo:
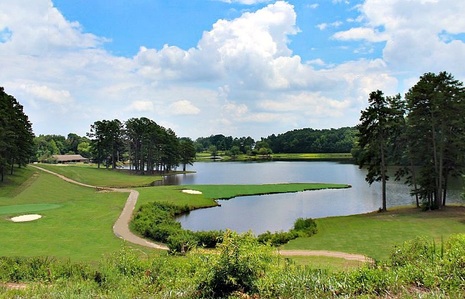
(242, 267)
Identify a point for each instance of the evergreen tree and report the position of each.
(16, 136)
(378, 131)
(436, 132)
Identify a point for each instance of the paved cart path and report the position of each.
(121, 226)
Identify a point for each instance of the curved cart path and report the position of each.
(342, 255)
(121, 226)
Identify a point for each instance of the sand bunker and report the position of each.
(24, 218)
(188, 191)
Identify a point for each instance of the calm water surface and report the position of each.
(278, 212)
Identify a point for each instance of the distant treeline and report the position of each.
(296, 141)
(132, 144)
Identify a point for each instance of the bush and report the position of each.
(278, 238)
(209, 239)
(238, 266)
(417, 251)
(305, 227)
(181, 242)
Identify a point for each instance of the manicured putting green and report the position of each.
(15, 209)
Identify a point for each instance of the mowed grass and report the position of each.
(174, 194)
(80, 229)
(90, 174)
(377, 234)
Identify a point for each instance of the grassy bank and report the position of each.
(376, 234)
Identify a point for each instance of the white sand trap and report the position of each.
(188, 191)
(24, 218)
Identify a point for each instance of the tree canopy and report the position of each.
(424, 135)
(16, 136)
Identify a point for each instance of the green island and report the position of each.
(72, 252)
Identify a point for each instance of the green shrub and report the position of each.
(278, 238)
(417, 251)
(305, 227)
(181, 242)
(209, 239)
(238, 266)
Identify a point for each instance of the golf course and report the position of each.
(80, 206)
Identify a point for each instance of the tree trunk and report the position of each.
(414, 179)
(383, 180)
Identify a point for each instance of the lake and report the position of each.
(278, 212)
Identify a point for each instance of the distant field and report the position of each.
(279, 157)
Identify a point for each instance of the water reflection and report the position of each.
(278, 211)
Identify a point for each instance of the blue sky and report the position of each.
(234, 67)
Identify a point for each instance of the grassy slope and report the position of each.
(376, 234)
(80, 228)
(89, 174)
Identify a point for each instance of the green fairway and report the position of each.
(16, 209)
(376, 234)
(173, 194)
(90, 174)
(78, 227)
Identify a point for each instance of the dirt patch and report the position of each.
(336, 254)
(13, 286)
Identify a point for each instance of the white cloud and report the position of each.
(242, 78)
(141, 106)
(360, 33)
(184, 107)
(413, 32)
(45, 93)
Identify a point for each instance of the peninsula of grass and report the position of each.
(210, 193)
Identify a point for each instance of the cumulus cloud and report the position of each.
(141, 106)
(45, 93)
(242, 77)
(412, 31)
(184, 107)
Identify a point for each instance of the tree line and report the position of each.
(423, 134)
(148, 146)
(16, 136)
(305, 140)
